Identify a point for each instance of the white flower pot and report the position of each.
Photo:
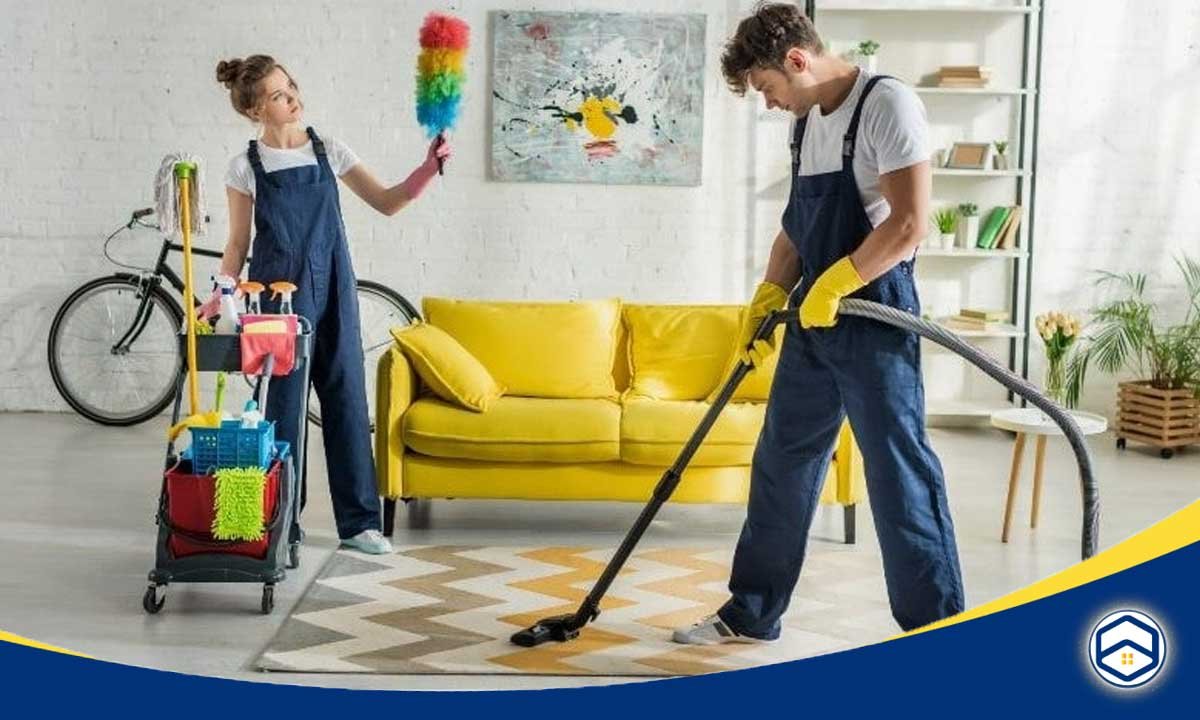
(1000, 162)
(968, 232)
(947, 241)
(872, 62)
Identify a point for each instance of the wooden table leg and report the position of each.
(1013, 476)
(1037, 479)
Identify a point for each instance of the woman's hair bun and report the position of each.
(227, 71)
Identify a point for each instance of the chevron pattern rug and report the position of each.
(451, 609)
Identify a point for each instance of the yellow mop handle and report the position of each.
(183, 174)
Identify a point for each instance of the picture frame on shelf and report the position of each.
(969, 156)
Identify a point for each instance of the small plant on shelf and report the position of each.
(946, 222)
(1000, 160)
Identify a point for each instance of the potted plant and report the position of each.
(968, 226)
(1058, 331)
(1000, 160)
(946, 221)
(1162, 407)
(866, 50)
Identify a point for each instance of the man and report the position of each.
(856, 213)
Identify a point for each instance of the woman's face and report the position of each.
(279, 101)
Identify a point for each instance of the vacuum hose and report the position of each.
(1002, 375)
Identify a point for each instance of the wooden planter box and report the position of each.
(1166, 419)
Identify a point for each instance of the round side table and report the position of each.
(1031, 421)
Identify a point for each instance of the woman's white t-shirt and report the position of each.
(892, 134)
(240, 176)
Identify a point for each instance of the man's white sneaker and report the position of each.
(371, 542)
(712, 631)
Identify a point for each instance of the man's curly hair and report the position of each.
(763, 39)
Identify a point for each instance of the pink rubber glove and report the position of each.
(420, 178)
(210, 307)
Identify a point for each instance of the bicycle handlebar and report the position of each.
(139, 214)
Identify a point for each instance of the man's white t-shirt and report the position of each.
(892, 134)
(240, 176)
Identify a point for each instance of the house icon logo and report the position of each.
(1127, 648)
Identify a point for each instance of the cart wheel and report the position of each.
(152, 602)
(268, 599)
(1120, 443)
(1167, 453)
(293, 556)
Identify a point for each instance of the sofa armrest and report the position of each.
(396, 388)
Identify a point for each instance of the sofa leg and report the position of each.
(848, 522)
(419, 514)
(389, 516)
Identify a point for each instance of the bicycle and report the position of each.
(113, 347)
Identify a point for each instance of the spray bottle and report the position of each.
(253, 292)
(227, 323)
(285, 289)
(251, 416)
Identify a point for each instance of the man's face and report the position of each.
(787, 88)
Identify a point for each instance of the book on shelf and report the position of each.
(985, 314)
(963, 322)
(990, 230)
(970, 71)
(1008, 234)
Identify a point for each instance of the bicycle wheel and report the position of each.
(109, 383)
(379, 310)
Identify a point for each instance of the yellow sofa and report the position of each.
(600, 398)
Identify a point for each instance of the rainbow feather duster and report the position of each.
(440, 71)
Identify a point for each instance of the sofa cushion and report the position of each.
(516, 429)
(445, 366)
(654, 431)
(544, 350)
(678, 352)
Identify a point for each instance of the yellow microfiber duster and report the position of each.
(238, 504)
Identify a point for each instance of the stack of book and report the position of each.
(963, 76)
(999, 230)
(977, 319)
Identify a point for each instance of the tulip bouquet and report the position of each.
(1058, 331)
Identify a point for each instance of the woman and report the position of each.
(286, 180)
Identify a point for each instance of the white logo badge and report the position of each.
(1127, 648)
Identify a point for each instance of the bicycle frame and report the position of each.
(147, 283)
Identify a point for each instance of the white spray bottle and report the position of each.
(227, 323)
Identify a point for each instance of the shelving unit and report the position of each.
(916, 39)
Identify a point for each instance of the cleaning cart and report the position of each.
(187, 548)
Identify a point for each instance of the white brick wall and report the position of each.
(93, 94)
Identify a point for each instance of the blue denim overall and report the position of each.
(871, 373)
(300, 237)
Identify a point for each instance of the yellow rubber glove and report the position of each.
(768, 298)
(820, 306)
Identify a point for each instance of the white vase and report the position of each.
(873, 64)
(968, 231)
(947, 241)
(1000, 162)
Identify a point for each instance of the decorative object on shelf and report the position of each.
(1058, 331)
(939, 158)
(968, 225)
(1162, 409)
(969, 156)
(946, 221)
(1000, 160)
(963, 76)
(867, 50)
(598, 97)
(1006, 237)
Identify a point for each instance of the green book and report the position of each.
(991, 227)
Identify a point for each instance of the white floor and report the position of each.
(77, 535)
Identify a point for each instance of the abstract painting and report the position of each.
(598, 97)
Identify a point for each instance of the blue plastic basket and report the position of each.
(231, 445)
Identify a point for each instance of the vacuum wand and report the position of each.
(562, 628)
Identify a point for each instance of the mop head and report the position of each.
(166, 194)
(238, 504)
(440, 74)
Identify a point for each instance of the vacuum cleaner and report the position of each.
(563, 628)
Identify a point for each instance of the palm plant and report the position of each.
(1125, 336)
